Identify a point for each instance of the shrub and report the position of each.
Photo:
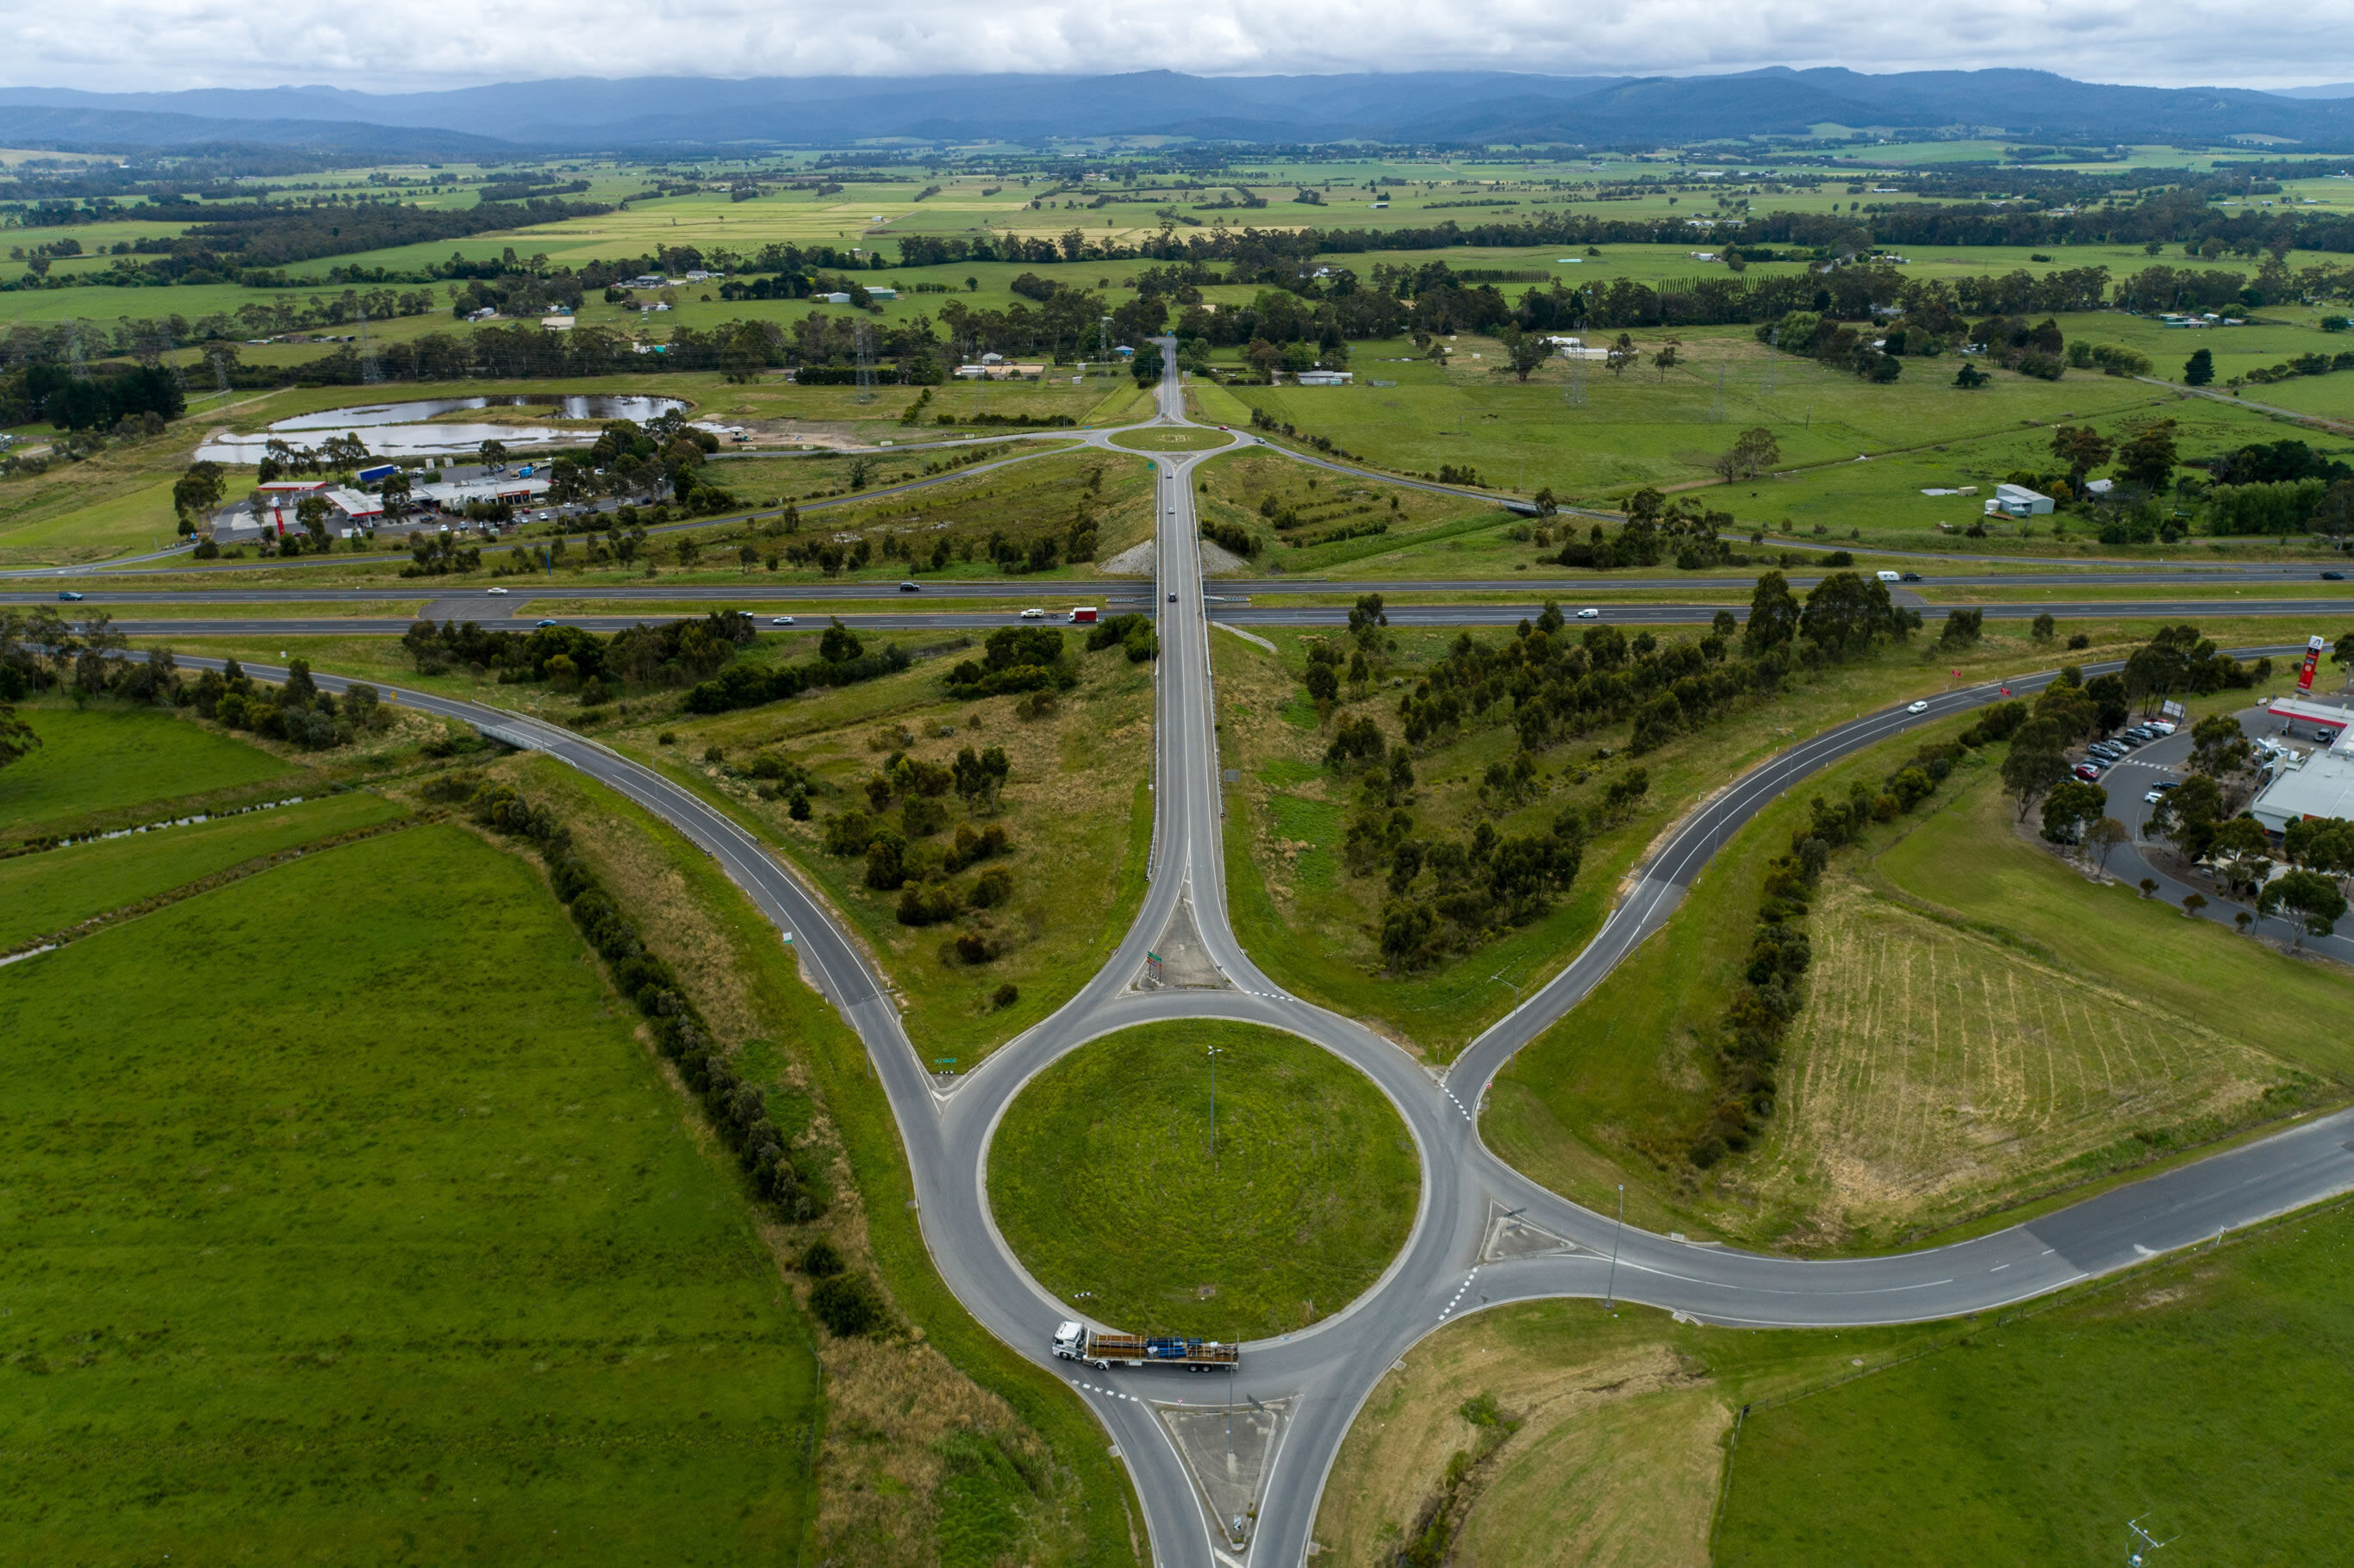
(847, 1305)
(820, 1260)
(1005, 996)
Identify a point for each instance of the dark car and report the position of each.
(70, 595)
(910, 587)
(2333, 577)
(1908, 576)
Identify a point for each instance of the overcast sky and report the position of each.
(409, 45)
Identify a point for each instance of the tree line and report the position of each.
(789, 1178)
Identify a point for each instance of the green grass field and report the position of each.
(394, 1249)
(103, 759)
(1103, 1179)
(44, 893)
(1178, 441)
(2203, 1397)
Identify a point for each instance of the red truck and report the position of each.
(1084, 616)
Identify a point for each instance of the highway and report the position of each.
(1223, 613)
(1315, 1381)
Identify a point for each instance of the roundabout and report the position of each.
(1103, 1181)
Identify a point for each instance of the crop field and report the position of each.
(94, 761)
(2201, 1396)
(1964, 860)
(1983, 1025)
(1104, 1180)
(40, 893)
(433, 1271)
(1936, 1069)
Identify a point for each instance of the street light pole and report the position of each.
(1610, 1291)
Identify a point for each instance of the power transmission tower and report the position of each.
(866, 365)
(1103, 344)
(74, 353)
(220, 371)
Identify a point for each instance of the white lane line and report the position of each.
(1998, 1268)
(1457, 1296)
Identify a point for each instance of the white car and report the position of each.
(1920, 707)
(782, 621)
(497, 591)
(2154, 797)
(1034, 615)
(1589, 615)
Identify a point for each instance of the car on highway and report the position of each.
(1919, 707)
(1589, 615)
(781, 620)
(1172, 597)
(910, 587)
(546, 623)
(495, 590)
(1033, 614)
(2333, 577)
(1909, 576)
(70, 595)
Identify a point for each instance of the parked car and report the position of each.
(2087, 772)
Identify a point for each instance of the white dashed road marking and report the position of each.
(1457, 1296)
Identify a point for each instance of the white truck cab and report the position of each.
(1070, 1340)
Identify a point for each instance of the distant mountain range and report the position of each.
(1467, 108)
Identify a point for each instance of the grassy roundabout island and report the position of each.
(1102, 1179)
(1171, 440)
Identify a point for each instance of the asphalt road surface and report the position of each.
(1317, 1379)
(1220, 610)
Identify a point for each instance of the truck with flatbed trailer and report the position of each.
(1076, 1341)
